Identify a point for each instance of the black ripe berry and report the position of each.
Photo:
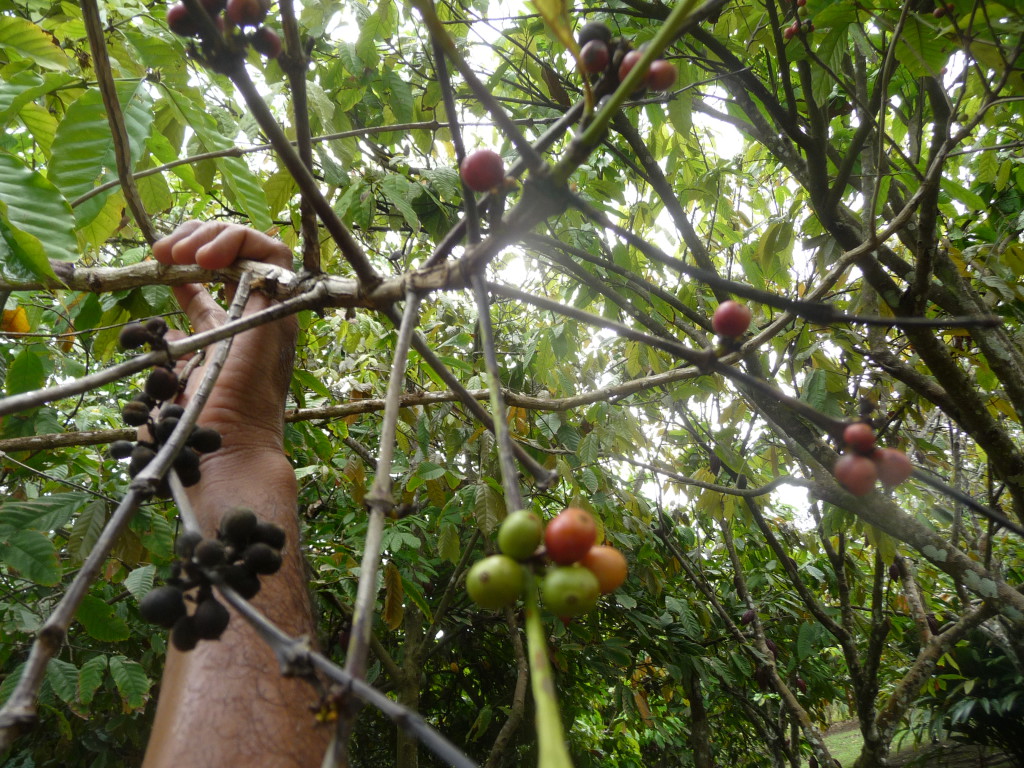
(209, 552)
(141, 456)
(186, 462)
(238, 526)
(135, 413)
(204, 439)
(593, 30)
(164, 428)
(133, 335)
(270, 534)
(262, 558)
(171, 411)
(184, 636)
(162, 606)
(240, 579)
(156, 326)
(120, 449)
(162, 384)
(210, 619)
(186, 543)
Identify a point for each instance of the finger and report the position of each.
(163, 247)
(203, 312)
(234, 241)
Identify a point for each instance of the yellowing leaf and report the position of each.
(394, 597)
(15, 321)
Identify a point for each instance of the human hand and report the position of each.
(247, 404)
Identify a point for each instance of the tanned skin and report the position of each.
(225, 702)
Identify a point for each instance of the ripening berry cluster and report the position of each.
(245, 549)
(160, 389)
(603, 56)
(582, 571)
(225, 14)
(863, 464)
(794, 29)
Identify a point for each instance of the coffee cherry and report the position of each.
(214, 7)
(772, 647)
(238, 526)
(242, 580)
(595, 56)
(731, 319)
(262, 558)
(570, 590)
(893, 466)
(748, 616)
(140, 458)
(790, 32)
(162, 606)
(608, 564)
(181, 21)
(495, 582)
(210, 619)
(170, 411)
(133, 335)
(186, 543)
(270, 534)
(209, 553)
(856, 473)
(135, 413)
(187, 460)
(157, 326)
(894, 571)
(204, 440)
(628, 62)
(570, 535)
(164, 429)
(482, 170)
(661, 76)
(266, 42)
(246, 13)
(860, 437)
(162, 384)
(594, 30)
(120, 449)
(184, 636)
(520, 534)
(801, 684)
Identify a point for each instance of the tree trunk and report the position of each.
(700, 728)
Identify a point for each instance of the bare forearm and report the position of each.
(225, 702)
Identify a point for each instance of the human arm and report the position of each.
(225, 702)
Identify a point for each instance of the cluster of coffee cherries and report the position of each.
(233, 13)
(794, 29)
(579, 571)
(600, 55)
(863, 464)
(245, 549)
(160, 389)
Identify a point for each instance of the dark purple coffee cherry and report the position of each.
(164, 429)
(162, 606)
(133, 335)
(162, 384)
(140, 458)
(210, 619)
(593, 30)
(184, 636)
(185, 544)
(262, 559)
(171, 411)
(209, 552)
(204, 440)
(134, 413)
(238, 526)
(156, 326)
(242, 580)
(271, 534)
(120, 449)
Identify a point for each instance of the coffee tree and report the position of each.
(741, 281)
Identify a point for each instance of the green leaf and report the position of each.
(32, 555)
(36, 219)
(26, 372)
(131, 681)
(448, 545)
(489, 508)
(398, 190)
(63, 678)
(805, 641)
(140, 580)
(380, 25)
(87, 529)
(399, 97)
(29, 41)
(23, 88)
(90, 677)
(100, 621)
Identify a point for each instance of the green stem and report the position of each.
(550, 734)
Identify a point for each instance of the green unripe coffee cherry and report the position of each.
(495, 582)
(520, 534)
(570, 590)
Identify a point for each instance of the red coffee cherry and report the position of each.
(860, 437)
(267, 42)
(731, 319)
(628, 62)
(246, 13)
(595, 56)
(482, 170)
(181, 21)
(892, 465)
(856, 473)
(608, 564)
(570, 535)
(662, 75)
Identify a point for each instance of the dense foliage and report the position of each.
(866, 164)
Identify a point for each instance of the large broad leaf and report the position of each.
(131, 681)
(35, 219)
(100, 621)
(32, 556)
(26, 40)
(23, 88)
(63, 678)
(44, 513)
(90, 677)
(243, 185)
(83, 149)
